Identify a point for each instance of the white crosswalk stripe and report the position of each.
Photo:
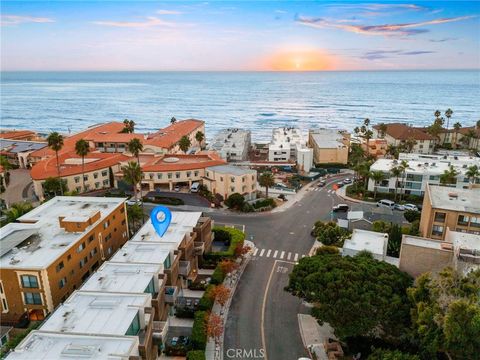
(275, 254)
(261, 252)
(289, 256)
(278, 254)
(268, 252)
(255, 252)
(282, 254)
(296, 257)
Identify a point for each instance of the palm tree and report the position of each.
(135, 146)
(448, 115)
(129, 126)
(396, 171)
(449, 176)
(382, 130)
(82, 149)
(403, 166)
(173, 120)
(392, 150)
(376, 176)
(132, 175)
(199, 136)
(55, 142)
(364, 172)
(410, 144)
(457, 127)
(473, 174)
(184, 143)
(266, 180)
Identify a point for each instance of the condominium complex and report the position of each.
(455, 209)
(227, 180)
(128, 304)
(329, 146)
(53, 250)
(108, 149)
(399, 134)
(422, 170)
(288, 144)
(232, 144)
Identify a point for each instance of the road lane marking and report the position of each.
(268, 252)
(289, 255)
(296, 257)
(261, 252)
(255, 252)
(275, 254)
(282, 254)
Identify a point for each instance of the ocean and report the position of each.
(259, 101)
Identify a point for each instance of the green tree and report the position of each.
(82, 149)
(448, 115)
(393, 151)
(5, 163)
(449, 176)
(473, 174)
(132, 175)
(199, 136)
(403, 166)
(410, 144)
(377, 177)
(330, 233)
(357, 296)
(446, 313)
(235, 201)
(55, 142)
(135, 147)
(396, 172)
(457, 126)
(52, 186)
(394, 240)
(128, 126)
(382, 354)
(134, 214)
(16, 210)
(184, 143)
(382, 130)
(411, 215)
(266, 180)
(381, 226)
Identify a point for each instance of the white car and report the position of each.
(399, 207)
(176, 188)
(347, 181)
(410, 207)
(132, 201)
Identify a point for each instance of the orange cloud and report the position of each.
(299, 60)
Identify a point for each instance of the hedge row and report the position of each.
(199, 330)
(354, 190)
(206, 301)
(164, 200)
(237, 238)
(218, 276)
(196, 355)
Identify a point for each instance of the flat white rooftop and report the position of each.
(371, 241)
(96, 313)
(122, 277)
(41, 345)
(456, 199)
(38, 243)
(231, 170)
(423, 242)
(143, 252)
(463, 240)
(328, 138)
(182, 223)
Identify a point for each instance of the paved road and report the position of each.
(188, 198)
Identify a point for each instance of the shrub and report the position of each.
(196, 355)
(164, 200)
(381, 354)
(265, 203)
(206, 301)
(329, 233)
(235, 201)
(412, 215)
(218, 276)
(237, 240)
(381, 226)
(323, 250)
(247, 208)
(222, 235)
(199, 330)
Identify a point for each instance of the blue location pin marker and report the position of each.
(161, 226)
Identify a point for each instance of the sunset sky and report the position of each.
(268, 35)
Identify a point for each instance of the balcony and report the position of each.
(171, 293)
(199, 247)
(160, 329)
(184, 268)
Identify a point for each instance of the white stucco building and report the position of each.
(290, 145)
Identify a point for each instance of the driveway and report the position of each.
(20, 187)
(188, 198)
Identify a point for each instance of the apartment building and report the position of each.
(465, 137)
(456, 209)
(53, 249)
(399, 134)
(459, 250)
(329, 146)
(17, 152)
(43, 345)
(227, 180)
(422, 169)
(108, 151)
(22, 135)
(232, 144)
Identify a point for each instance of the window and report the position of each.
(69, 257)
(169, 175)
(62, 283)
(108, 237)
(189, 173)
(439, 217)
(221, 178)
(97, 185)
(434, 177)
(208, 174)
(134, 327)
(33, 298)
(151, 176)
(4, 306)
(463, 220)
(95, 175)
(29, 281)
(159, 176)
(150, 289)
(109, 250)
(83, 262)
(90, 238)
(1, 288)
(85, 177)
(104, 173)
(81, 247)
(77, 179)
(475, 221)
(232, 188)
(195, 173)
(106, 182)
(106, 224)
(60, 266)
(437, 230)
(78, 188)
(232, 179)
(93, 252)
(123, 222)
(177, 175)
(167, 263)
(243, 179)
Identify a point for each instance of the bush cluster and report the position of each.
(164, 200)
(237, 238)
(265, 203)
(199, 330)
(196, 355)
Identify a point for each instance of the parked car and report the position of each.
(176, 188)
(347, 181)
(340, 184)
(386, 203)
(410, 207)
(195, 187)
(399, 207)
(132, 201)
(322, 183)
(340, 207)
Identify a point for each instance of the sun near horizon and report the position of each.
(299, 60)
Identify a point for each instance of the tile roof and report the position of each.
(70, 164)
(401, 131)
(169, 136)
(17, 134)
(178, 162)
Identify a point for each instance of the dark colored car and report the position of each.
(322, 183)
(340, 207)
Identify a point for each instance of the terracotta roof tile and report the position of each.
(401, 131)
(16, 134)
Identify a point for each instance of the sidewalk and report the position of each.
(342, 193)
(215, 351)
(313, 335)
